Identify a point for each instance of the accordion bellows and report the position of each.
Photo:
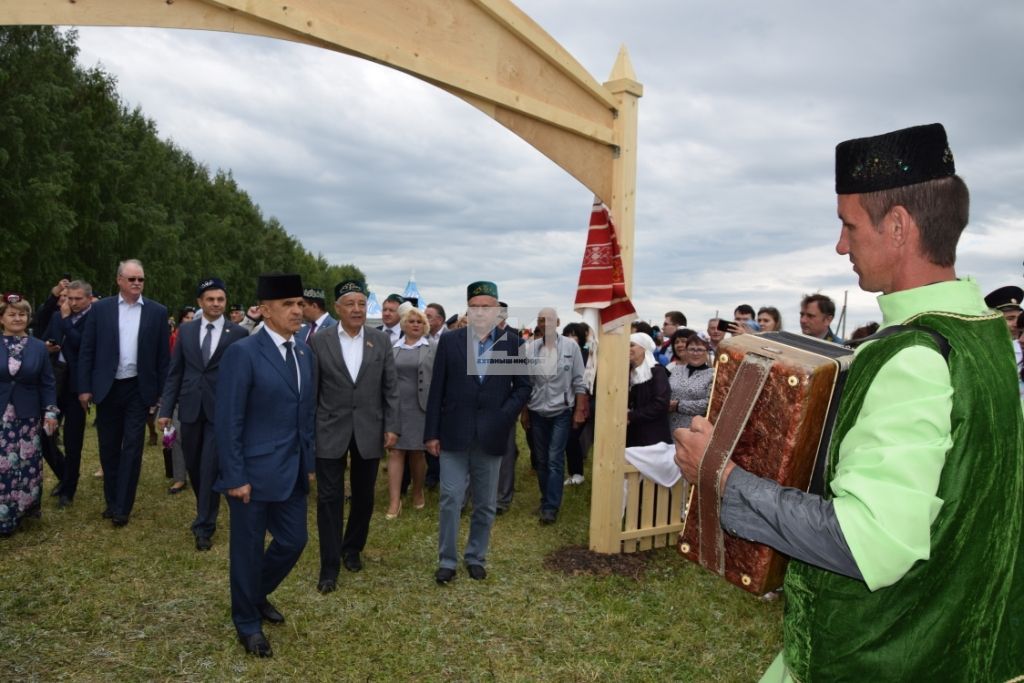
(783, 436)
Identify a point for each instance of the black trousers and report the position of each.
(200, 450)
(121, 429)
(330, 502)
(73, 430)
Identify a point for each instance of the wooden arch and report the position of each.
(486, 52)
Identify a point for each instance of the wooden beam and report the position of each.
(612, 389)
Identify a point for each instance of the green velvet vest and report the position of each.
(958, 616)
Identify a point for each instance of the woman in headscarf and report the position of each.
(28, 399)
(649, 395)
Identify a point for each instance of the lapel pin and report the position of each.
(370, 344)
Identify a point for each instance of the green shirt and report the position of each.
(890, 461)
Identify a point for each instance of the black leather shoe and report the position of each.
(256, 644)
(203, 543)
(119, 520)
(325, 586)
(269, 613)
(63, 501)
(444, 576)
(476, 571)
(352, 562)
(107, 514)
(547, 516)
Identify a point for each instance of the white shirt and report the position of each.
(403, 344)
(218, 329)
(434, 338)
(279, 343)
(351, 351)
(128, 318)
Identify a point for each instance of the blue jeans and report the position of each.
(550, 435)
(481, 470)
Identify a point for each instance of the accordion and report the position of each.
(773, 404)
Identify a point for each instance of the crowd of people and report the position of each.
(265, 401)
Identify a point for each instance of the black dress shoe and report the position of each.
(203, 543)
(547, 516)
(107, 514)
(119, 520)
(352, 562)
(269, 613)
(256, 644)
(326, 586)
(444, 576)
(63, 501)
(476, 571)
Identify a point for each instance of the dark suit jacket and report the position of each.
(264, 428)
(366, 408)
(190, 384)
(32, 389)
(98, 354)
(461, 409)
(69, 336)
(648, 410)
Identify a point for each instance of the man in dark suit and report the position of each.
(122, 366)
(67, 334)
(314, 314)
(476, 393)
(390, 316)
(265, 408)
(356, 416)
(192, 388)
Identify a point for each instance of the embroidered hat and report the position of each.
(350, 287)
(210, 283)
(313, 293)
(897, 159)
(482, 288)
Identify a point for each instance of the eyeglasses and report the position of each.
(134, 279)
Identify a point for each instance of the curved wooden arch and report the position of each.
(486, 52)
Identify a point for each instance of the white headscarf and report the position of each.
(642, 372)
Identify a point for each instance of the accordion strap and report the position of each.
(743, 393)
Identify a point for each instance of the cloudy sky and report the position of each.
(743, 105)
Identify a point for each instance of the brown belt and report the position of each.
(743, 393)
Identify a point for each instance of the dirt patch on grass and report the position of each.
(577, 560)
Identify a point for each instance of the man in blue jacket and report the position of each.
(67, 333)
(264, 429)
(192, 387)
(122, 367)
(476, 392)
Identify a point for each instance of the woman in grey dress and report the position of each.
(690, 382)
(414, 361)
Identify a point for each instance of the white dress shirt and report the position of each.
(129, 316)
(403, 344)
(279, 343)
(218, 329)
(393, 332)
(351, 351)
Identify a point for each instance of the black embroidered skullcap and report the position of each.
(482, 288)
(210, 283)
(350, 287)
(896, 159)
(313, 294)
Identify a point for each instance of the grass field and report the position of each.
(82, 601)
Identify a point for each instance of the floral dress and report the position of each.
(21, 472)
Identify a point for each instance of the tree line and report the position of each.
(86, 182)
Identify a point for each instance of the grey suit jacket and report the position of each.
(426, 370)
(365, 408)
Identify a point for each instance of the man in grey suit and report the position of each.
(192, 387)
(356, 416)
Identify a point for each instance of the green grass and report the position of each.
(82, 601)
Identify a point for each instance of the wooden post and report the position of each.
(613, 353)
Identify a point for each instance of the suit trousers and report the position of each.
(482, 470)
(256, 571)
(507, 475)
(73, 430)
(330, 503)
(200, 451)
(121, 429)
